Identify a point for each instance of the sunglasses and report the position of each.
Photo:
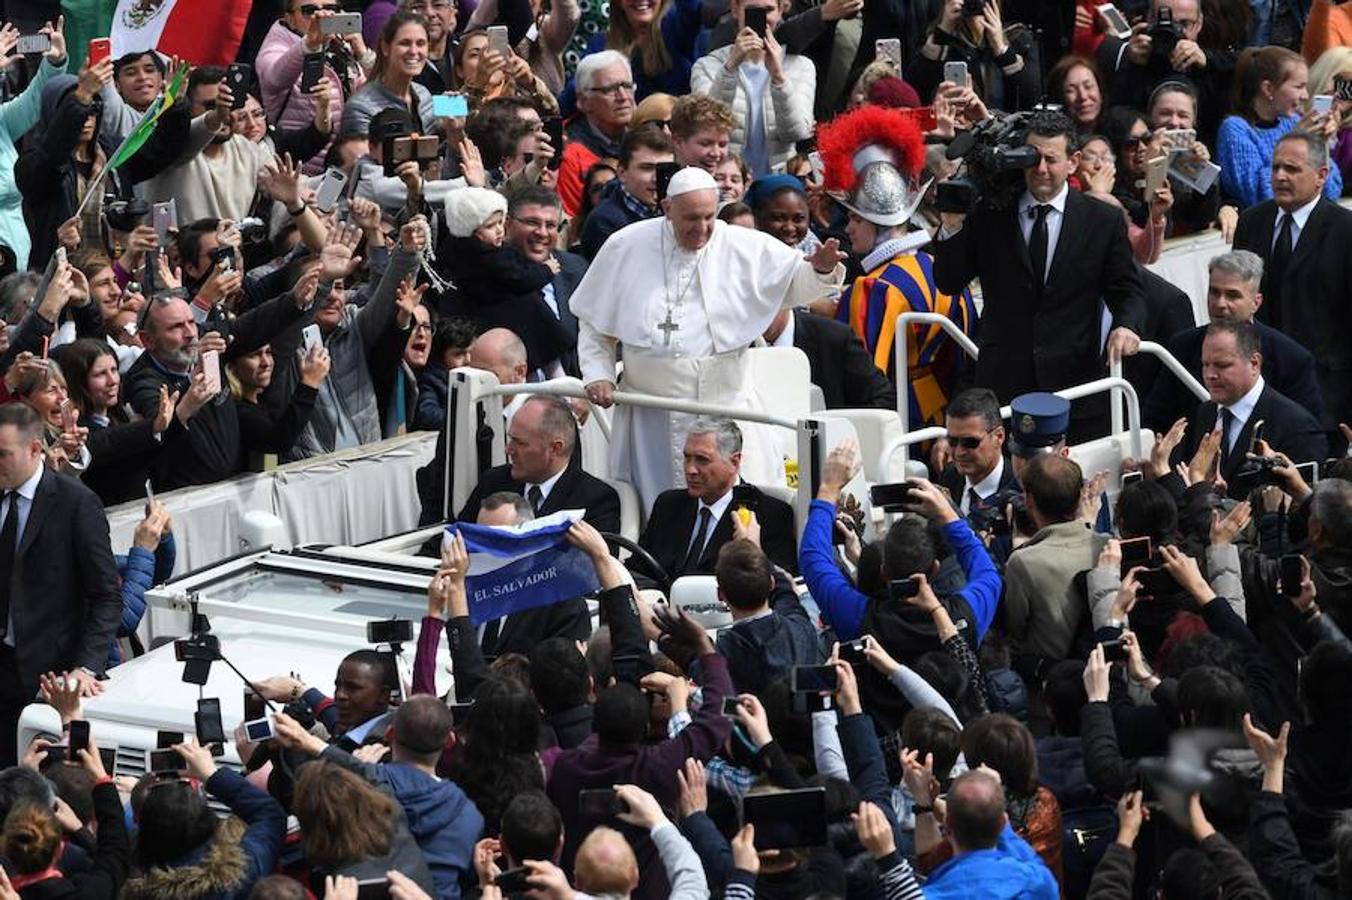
(309, 9)
(969, 443)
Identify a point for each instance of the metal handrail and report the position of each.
(561, 388)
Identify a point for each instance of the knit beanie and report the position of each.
(468, 208)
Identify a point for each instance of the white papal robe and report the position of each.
(721, 299)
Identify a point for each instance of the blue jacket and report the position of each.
(1010, 870)
(433, 387)
(763, 649)
(140, 571)
(843, 605)
(443, 821)
(609, 216)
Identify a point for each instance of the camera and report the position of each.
(125, 215)
(1258, 471)
(994, 156)
(389, 631)
(1164, 34)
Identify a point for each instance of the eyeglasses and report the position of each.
(614, 90)
(257, 115)
(438, 5)
(309, 9)
(970, 443)
(1137, 140)
(539, 224)
(423, 326)
(1092, 158)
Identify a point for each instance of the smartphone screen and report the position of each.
(165, 761)
(166, 739)
(787, 818)
(1309, 472)
(208, 721)
(1292, 574)
(450, 106)
(813, 679)
(1321, 104)
(1135, 552)
(78, 737)
(598, 805)
(731, 705)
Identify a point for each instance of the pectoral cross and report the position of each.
(667, 328)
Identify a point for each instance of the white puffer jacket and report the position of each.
(788, 107)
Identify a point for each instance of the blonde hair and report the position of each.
(343, 819)
(1330, 64)
(653, 55)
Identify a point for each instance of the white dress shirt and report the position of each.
(1055, 216)
(717, 508)
(984, 488)
(1298, 219)
(545, 486)
(1242, 409)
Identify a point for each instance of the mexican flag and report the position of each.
(202, 32)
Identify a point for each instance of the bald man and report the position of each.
(500, 351)
(606, 865)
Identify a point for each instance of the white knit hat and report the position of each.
(468, 208)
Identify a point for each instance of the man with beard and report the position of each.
(218, 173)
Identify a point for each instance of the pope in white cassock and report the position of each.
(686, 295)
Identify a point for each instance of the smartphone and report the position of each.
(497, 40)
(164, 216)
(599, 805)
(207, 721)
(330, 189)
(554, 129)
(46, 344)
(1292, 573)
(890, 496)
(665, 172)
(1135, 552)
(70, 418)
(1132, 477)
(450, 106)
(731, 705)
(56, 754)
(625, 669)
(813, 679)
(77, 737)
(312, 70)
(239, 76)
(513, 881)
(165, 761)
(259, 730)
(255, 707)
(1156, 583)
(373, 889)
(460, 712)
(816, 165)
(108, 756)
(340, 23)
(310, 338)
(1114, 22)
(1156, 172)
(1257, 435)
(1309, 471)
(389, 631)
(211, 367)
(1342, 87)
(33, 43)
(166, 739)
(754, 16)
(956, 73)
(1114, 651)
(99, 50)
(1178, 140)
(888, 49)
(786, 819)
(903, 588)
(852, 652)
(1321, 104)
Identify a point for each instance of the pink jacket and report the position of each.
(279, 64)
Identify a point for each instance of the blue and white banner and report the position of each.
(517, 567)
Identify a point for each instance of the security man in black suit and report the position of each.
(1045, 261)
(687, 527)
(971, 460)
(1304, 240)
(840, 364)
(1232, 370)
(59, 599)
(1233, 296)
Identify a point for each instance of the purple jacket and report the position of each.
(279, 65)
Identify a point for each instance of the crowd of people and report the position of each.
(998, 683)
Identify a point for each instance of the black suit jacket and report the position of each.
(572, 268)
(1316, 303)
(1288, 429)
(1168, 311)
(575, 489)
(1287, 366)
(956, 485)
(64, 596)
(671, 525)
(841, 366)
(1044, 339)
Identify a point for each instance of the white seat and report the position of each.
(1105, 454)
(874, 428)
(631, 510)
(781, 379)
(698, 596)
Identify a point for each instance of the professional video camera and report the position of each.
(994, 156)
(125, 215)
(1164, 34)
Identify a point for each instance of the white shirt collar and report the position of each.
(1058, 203)
(359, 733)
(718, 507)
(29, 489)
(547, 485)
(785, 338)
(1242, 408)
(1302, 215)
(988, 485)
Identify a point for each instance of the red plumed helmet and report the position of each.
(872, 159)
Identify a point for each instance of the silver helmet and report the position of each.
(882, 194)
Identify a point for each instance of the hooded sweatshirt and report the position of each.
(444, 822)
(16, 118)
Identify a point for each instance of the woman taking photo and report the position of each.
(659, 39)
(995, 70)
(1173, 105)
(1271, 100)
(250, 375)
(122, 451)
(400, 55)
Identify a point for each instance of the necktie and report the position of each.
(536, 498)
(1227, 427)
(1276, 271)
(1037, 243)
(973, 501)
(9, 538)
(696, 550)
